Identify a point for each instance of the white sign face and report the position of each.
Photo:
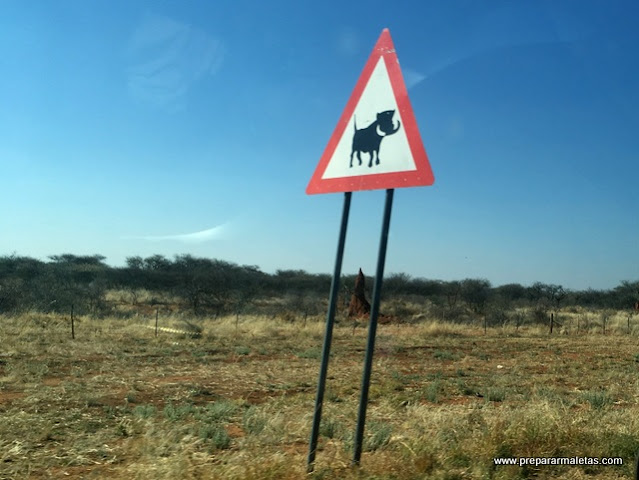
(387, 152)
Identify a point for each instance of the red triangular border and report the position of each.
(422, 176)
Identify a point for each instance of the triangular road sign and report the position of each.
(376, 144)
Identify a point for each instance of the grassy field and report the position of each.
(236, 401)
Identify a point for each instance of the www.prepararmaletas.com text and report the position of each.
(539, 461)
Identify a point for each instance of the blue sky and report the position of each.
(128, 127)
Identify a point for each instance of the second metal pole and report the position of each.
(372, 329)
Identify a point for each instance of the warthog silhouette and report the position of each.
(370, 138)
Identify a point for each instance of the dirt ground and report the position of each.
(237, 402)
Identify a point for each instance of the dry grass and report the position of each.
(236, 402)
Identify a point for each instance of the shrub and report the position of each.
(215, 434)
(379, 436)
(221, 410)
(253, 421)
(144, 411)
(597, 398)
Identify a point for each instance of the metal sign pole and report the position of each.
(330, 320)
(372, 329)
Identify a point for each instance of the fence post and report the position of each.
(552, 321)
(157, 312)
(72, 324)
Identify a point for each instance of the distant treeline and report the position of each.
(210, 286)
